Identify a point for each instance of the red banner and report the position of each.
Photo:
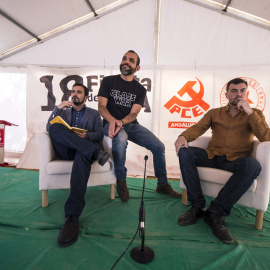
(2, 137)
(184, 125)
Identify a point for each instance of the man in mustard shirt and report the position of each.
(233, 129)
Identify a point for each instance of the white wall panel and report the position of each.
(13, 107)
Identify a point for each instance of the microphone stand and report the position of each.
(142, 254)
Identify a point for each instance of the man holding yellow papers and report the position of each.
(83, 145)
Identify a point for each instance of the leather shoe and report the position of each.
(191, 216)
(122, 190)
(168, 190)
(218, 227)
(69, 232)
(102, 157)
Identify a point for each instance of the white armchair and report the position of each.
(55, 173)
(212, 180)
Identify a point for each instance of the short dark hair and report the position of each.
(138, 58)
(236, 81)
(86, 90)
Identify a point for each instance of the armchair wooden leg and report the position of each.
(112, 193)
(259, 220)
(184, 196)
(44, 198)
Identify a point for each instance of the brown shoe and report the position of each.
(122, 190)
(168, 190)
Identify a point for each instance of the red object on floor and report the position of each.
(5, 164)
(3, 123)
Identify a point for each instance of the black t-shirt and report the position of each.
(121, 95)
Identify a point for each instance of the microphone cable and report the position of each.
(127, 247)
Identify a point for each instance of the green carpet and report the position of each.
(28, 232)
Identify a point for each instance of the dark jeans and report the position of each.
(244, 169)
(70, 146)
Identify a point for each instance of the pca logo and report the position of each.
(255, 94)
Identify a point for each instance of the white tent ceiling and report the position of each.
(31, 22)
(26, 21)
(259, 8)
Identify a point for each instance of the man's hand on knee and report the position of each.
(180, 142)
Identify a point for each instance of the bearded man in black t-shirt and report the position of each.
(121, 98)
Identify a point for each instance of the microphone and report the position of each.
(142, 254)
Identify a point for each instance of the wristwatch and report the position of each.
(122, 122)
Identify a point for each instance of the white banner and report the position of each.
(47, 87)
(176, 99)
(187, 95)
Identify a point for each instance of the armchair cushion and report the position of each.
(65, 167)
(219, 177)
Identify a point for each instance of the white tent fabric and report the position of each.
(30, 157)
(95, 43)
(40, 17)
(190, 36)
(30, 22)
(193, 36)
(182, 42)
(13, 107)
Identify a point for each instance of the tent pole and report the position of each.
(225, 9)
(155, 88)
(91, 7)
(19, 25)
(157, 31)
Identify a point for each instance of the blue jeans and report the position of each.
(70, 146)
(143, 137)
(244, 169)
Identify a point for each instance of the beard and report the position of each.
(127, 71)
(76, 101)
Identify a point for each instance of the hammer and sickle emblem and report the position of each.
(196, 98)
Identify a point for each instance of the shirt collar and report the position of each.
(79, 110)
(227, 108)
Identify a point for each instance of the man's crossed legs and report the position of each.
(70, 146)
